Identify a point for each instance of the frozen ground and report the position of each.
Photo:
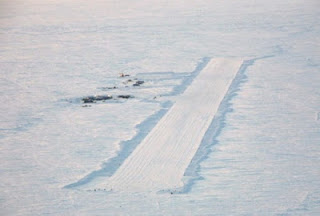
(262, 157)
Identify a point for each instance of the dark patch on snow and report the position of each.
(86, 106)
(125, 96)
(103, 98)
(138, 83)
(94, 99)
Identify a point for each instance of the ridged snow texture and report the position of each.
(160, 160)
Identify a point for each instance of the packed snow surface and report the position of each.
(160, 161)
(260, 153)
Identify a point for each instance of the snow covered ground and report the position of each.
(261, 154)
(160, 160)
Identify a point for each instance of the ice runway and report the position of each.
(160, 160)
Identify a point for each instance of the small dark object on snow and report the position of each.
(138, 83)
(89, 99)
(128, 81)
(125, 96)
(93, 99)
(124, 75)
(114, 87)
(107, 88)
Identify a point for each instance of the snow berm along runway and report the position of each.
(160, 160)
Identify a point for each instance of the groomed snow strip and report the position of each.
(160, 160)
